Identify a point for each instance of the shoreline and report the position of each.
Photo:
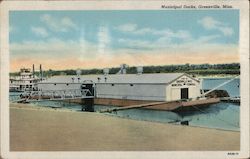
(47, 129)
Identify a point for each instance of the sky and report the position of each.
(97, 39)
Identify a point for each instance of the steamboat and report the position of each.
(25, 81)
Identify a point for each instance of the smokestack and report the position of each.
(41, 72)
(33, 70)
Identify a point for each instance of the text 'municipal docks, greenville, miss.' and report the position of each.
(195, 6)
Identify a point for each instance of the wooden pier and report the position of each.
(133, 106)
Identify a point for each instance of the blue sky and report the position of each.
(97, 39)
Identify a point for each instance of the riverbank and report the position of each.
(46, 129)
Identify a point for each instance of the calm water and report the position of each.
(221, 116)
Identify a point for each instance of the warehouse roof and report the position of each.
(118, 78)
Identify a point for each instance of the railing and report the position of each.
(42, 95)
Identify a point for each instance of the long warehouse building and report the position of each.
(147, 87)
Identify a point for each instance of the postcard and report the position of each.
(124, 79)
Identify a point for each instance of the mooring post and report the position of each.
(82, 103)
(185, 122)
(88, 104)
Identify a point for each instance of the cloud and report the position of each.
(167, 33)
(67, 22)
(157, 39)
(63, 24)
(165, 43)
(52, 48)
(127, 27)
(40, 31)
(210, 23)
(227, 31)
(136, 44)
(205, 39)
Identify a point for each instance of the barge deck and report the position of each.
(168, 105)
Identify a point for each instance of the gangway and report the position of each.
(84, 92)
(57, 91)
(42, 95)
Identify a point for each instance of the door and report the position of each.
(90, 88)
(184, 93)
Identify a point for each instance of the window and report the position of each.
(55, 84)
(67, 84)
(131, 85)
(112, 84)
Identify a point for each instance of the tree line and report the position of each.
(196, 69)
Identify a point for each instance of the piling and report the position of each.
(89, 104)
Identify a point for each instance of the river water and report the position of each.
(220, 116)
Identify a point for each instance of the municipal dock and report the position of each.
(152, 116)
(162, 91)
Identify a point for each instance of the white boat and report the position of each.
(26, 81)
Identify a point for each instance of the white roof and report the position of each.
(118, 78)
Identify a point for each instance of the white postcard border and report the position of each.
(122, 5)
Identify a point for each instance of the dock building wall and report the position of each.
(174, 89)
(144, 87)
(152, 92)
